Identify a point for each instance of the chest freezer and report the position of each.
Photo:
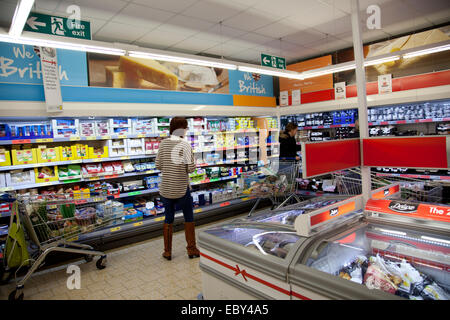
(286, 216)
(246, 261)
(396, 250)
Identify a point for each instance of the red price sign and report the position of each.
(224, 204)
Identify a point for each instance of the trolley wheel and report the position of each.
(101, 263)
(13, 296)
(88, 258)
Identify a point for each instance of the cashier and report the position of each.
(288, 144)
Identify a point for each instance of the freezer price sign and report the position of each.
(59, 26)
(273, 61)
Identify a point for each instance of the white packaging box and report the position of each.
(117, 147)
(87, 129)
(59, 127)
(135, 146)
(28, 178)
(143, 126)
(102, 128)
(2, 180)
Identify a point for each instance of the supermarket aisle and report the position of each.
(136, 271)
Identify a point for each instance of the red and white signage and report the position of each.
(410, 209)
(385, 192)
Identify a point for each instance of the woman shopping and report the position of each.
(175, 159)
(288, 144)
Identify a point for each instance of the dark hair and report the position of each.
(178, 123)
(291, 126)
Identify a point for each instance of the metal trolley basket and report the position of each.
(349, 183)
(276, 182)
(54, 222)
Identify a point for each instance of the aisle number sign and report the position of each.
(59, 26)
(268, 60)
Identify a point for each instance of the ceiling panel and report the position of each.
(225, 50)
(119, 32)
(195, 44)
(281, 28)
(160, 38)
(142, 16)
(255, 39)
(286, 8)
(338, 26)
(187, 25)
(94, 9)
(251, 19)
(96, 25)
(304, 37)
(6, 14)
(251, 55)
(220, 33)
(175, 6)
(315, 13)
(442, 16)
(213, 12)
(48, 5)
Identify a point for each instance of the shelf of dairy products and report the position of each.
(377, 123)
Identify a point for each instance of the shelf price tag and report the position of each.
(75, 138)
(124, 158)
(159, 219)
(141, 135)
(134, 193)
(137, 224)
(224, 204)
(121, 136)
(21, 141)
(115, 229)
(198, 210)
(44, 140)
(106, 137)
(91, 138)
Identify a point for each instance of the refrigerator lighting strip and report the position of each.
(434, 240)
(400, 233)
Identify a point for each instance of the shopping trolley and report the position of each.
(348, 182)
(275, 181)
(54, 222)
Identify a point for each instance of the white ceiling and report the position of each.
(306, 27)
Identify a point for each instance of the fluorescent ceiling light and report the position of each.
(282, 74)
(62, 45)
(180, 59)
(381, 60)
(426, 51)
(435, 239)
(20, 17)
(329, 70)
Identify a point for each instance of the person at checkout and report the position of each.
(288, 144)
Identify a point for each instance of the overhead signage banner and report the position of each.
(21, 64)
(308, 85)
(140, 73)
(403, 67)
(50, 76)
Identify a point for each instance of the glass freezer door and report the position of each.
(287, 215)
(264, 241)
(404, 262)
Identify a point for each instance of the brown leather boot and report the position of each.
(167, 231)
(189, 230)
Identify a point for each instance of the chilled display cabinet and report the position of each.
(384, 249)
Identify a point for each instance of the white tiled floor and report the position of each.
(136, 271)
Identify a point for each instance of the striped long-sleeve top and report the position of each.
(175, 159)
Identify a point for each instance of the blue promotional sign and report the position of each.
(21, 64)
(250, 84)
